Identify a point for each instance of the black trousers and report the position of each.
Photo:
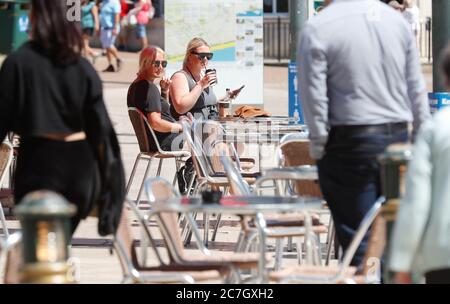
(68, 168)
(350, 180)
(440, 276)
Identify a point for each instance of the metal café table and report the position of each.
(254, 206)
(258, 137)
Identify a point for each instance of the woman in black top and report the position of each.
(145, 95)
(52, 98)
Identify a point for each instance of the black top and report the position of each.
(38, 95)
(145, 96)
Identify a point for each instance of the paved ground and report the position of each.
(97, 264)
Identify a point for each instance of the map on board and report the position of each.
(234, 31)
(212, 20)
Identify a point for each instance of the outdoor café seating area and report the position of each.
(246, 217)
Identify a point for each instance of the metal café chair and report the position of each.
(6, 156)
(159, 191)
(206, 175)
(145, 134)
(279, 226)
(343, 273)
(135, 272)
(293, 151)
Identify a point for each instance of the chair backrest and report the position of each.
(364, 226)
(6, 156)
(125, 244)
(144, 132)
(237, 183)
(214, 143)
(160, 190)
(198, 156)
(294, 151)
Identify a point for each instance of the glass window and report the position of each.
(282, 6)
(268, 6)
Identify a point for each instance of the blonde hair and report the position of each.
(192, 45)
(147, 57)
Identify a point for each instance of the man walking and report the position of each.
(110, 29)
(361, 87)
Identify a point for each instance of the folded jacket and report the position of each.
(250, 111)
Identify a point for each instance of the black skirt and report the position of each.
(68, 168)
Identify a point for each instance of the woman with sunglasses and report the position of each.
(147, 97)
(191, 88)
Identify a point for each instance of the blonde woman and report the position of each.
(152, 101)
(191, 89)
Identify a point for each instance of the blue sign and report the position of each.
(23, 23)
(295, 107)
(438, 100)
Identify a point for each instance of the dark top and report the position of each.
(145, 96)
(39, 95)
(205, 104)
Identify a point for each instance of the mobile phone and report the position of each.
(238, 90)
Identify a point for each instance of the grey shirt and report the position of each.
(359, 65)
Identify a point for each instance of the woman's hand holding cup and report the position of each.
(208, 80)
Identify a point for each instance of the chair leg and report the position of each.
(290, 244)
(216, 227)
(188, 237)
(240, 241)
(191, 183)
(138, 199)
(3, 220)
(177, 168)
(299, 252)
(133, 172)
(205, 228)
(144, 245)
(278, 253)
(158, 173)
(330, 240)
(317, 257)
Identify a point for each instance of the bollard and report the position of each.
(393, 163)
(45, 220)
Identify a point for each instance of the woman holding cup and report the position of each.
(191, 89)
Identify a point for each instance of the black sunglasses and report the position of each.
(157, 63)
(202, 56)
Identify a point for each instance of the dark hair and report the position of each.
(445, 64)
(52, 30)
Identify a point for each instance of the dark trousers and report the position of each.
(350, 180)
(441, 276)
(68, 168)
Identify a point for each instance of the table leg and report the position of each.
(261, 226)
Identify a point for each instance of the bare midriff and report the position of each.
(64, 137)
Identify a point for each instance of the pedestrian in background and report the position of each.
(89, 26)
(143, 12)
(110, 28)
(420, 243)
(124, 9)
(361, 87)
(53, 99)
